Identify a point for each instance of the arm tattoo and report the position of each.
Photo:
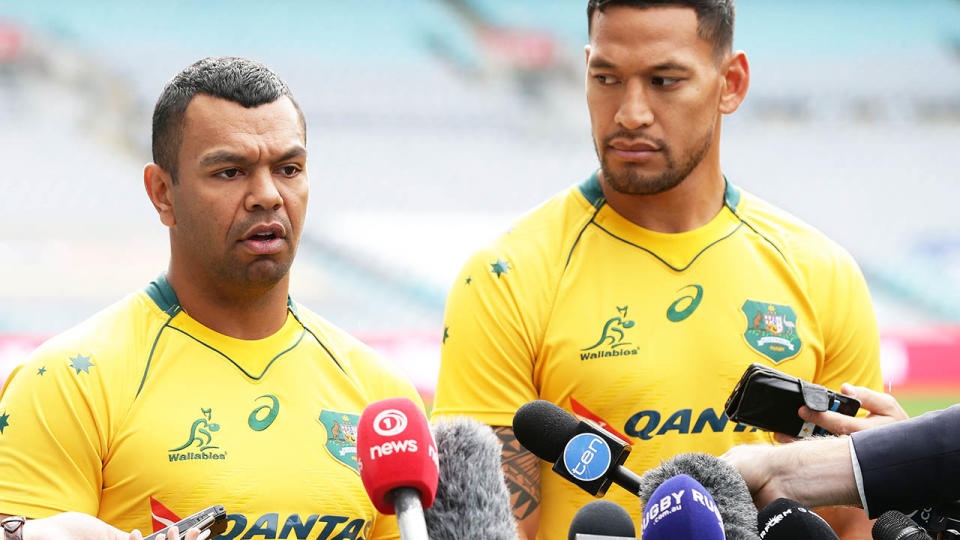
(521, 469)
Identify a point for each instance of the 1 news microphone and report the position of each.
(582, 452)
(786, 519)
(472, 499)
(894, 525)
(720, 479)
(601, 518)
(681, 509)
(398, 462)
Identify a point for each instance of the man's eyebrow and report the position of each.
(670, 66)
(601, 63)
(295, 152)
(221, 157)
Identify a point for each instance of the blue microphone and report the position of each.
(681, 509)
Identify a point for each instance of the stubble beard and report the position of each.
(630, 181)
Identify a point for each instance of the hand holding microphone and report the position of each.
(398, 460)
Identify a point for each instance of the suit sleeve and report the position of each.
(489, 347)
(851, 338)
(911, 464)
(52, 444)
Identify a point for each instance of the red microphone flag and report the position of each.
(395, 449)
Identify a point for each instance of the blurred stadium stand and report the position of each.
(434, 123)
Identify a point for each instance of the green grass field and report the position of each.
(917, 403)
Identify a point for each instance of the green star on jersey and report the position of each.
(4, 421)
(446, 333)
(81, 363)
(500, 267)
(42, 370)
(469, 279)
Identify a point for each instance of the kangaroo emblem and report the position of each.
(613, 331)
(200, 432)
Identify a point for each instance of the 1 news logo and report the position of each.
(390, 422)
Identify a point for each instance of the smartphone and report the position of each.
(213, 519)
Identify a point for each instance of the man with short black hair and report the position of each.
(210, 386)
(639, 297)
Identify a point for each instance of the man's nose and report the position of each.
(634, 112)
(262, 192)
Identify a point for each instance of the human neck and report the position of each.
(688, 206)
(250, 315)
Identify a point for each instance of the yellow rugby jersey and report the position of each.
(647, 333)
(142, 415)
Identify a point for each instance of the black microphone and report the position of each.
(582, 452)
(472, 500)
(894, 525)
(602, 518)
(785, 519)
(943, 519)
(720, 479)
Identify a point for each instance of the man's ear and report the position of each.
(159, 186)
(736, 79)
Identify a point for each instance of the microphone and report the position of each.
(720, 479)
(894, 525)
(681, 509)
(398, 462)
(582, 452)
(602, 518)
(472, 499)
(785, 519)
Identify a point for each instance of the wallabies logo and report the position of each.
(611, 342)
(613, 331)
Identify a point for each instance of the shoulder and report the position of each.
(380, 377)
(110, 339)
(536, 247)
(797, 241)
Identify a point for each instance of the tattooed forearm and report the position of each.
(522, 472)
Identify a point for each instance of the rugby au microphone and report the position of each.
(786, 519)
(602, 519)
(472, 499)
(894, 525)
(720, 479)
(582, 452)
(681, 509)
(398, 462)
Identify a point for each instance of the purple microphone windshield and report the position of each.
(681, 509)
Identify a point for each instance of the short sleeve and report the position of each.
(849, 326)
(51, 441)
(489, 346)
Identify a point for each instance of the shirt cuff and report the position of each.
(858, 476)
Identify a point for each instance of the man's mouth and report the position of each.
(265, 239)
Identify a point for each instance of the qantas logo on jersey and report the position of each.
(341, 436)
(647, 424)
(200, 445)
(314, 526)
(241, 527)
(771, 330)
(611, 343)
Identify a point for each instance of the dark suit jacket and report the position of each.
(911, 464)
